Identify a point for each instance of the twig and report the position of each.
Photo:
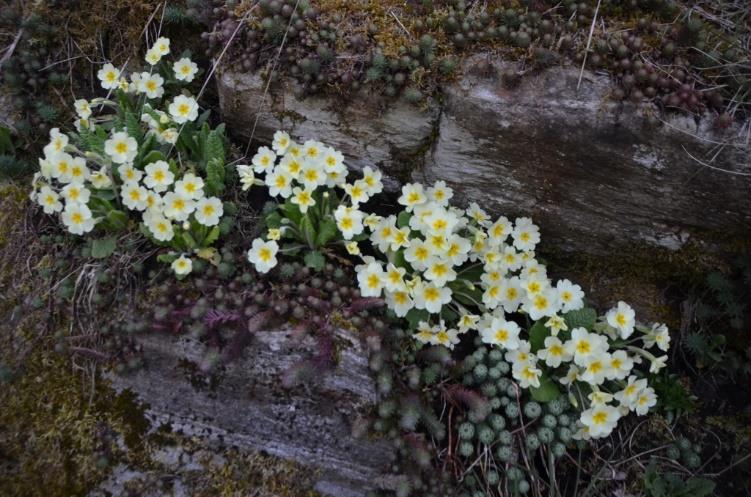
(400, 24)
(737, 173)
(11, 48)
(589, 43)
(268, 81)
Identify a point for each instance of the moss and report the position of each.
(640, 273)
(54, 426)
(254, 474)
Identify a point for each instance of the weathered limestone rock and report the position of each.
(588, 170)
(245, 405)
(393, 137)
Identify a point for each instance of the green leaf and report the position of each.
(107, 194)
(102, 248)
(447, 314)
(153, 156)
(215, 176)
(403, 219)
(547, 391)
(315, 260)
(291, 211)
(327, 231)
(400, 261)
(537, 335)
(307, 231)
(226, 224)
(273, 220)
(698, 487)
(133, 126)
(230, 208)
(190, 242)
(203, 118)
(145, 149)
(584, 318)
(466, 296)
(472, 273)
(117, 220)
(212, 236)
(93, 142)
(167, 258)
(6, 144)
(414, 316)
(214, 147)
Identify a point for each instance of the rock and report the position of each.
(393, 137)
(244, 405)
(589, 170)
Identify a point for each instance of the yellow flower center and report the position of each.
(121, 147)
(529, 373)
(76, 218)
(541, 302)
(431, 294)
(374, 281)
(183, 109)
(440, 224)
(583, 347)
(599, 418)
(264, 254)
(501, 335)
(595, 367)
(303, 197)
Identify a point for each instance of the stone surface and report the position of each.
(244, 405)
(588, 169)
(393, 137)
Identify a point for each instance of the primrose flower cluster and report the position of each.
(451, 271)
(121, 159)
(298, 174)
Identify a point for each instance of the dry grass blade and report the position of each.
(589, 44)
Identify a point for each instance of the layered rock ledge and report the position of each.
(243, 404)
(589, 170)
